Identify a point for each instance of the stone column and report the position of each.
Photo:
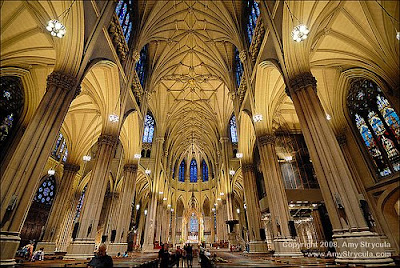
(21, 176)
(253, 209)
(59, 209)
(125, 210)
(83, 246)
(111, 217)
(226, 180)
(334, 177)
(173, 226)
(284, 243)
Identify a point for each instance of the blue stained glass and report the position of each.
(80, 204)
(238, 67)
(148, 129)
(128, 34)
(254, 13)
(181, 174)
(194, 224)
(376, 123)
(141, 65)
(119, 6)
(122, 14)
(233, 129)
(205, 171)
(45, 193)
(65, 156)
(193, 171)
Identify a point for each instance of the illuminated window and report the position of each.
(141, 65)
(238, 68)
(205, 170)
(181, 174)
(148, 129)
(46, 192)
(60, 150)
(193, 171)
(253, 12)
(80, 204)
(233, 129)
(124, 12)
(378, 125)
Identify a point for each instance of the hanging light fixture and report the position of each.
(328, 117)
(147, 171)
(238, 210)
(221, 194)
(51, 172)
(232, 172)
(56, 28)
(257, 118)
(398, 35)
(137, 206)
(87, 158)
(145, 212)
(218, 199)
(113, 118)
(137, 156)
(239, 155)
(300, 33)
(165, 199)
(160, 192)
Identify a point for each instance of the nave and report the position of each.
(265, 127)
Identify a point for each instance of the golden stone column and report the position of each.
(226, 180)
(173, 226)
(337, 185)
(83, 246)
(284, 244)
(20, 178)
(150, 228)
(59, 209)
(253, 209)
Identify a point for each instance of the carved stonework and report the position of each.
(136, 55)
(243, 56)
(242, 89)
(118, 38)
(107, 139)
(224, 139)
(71, 167)
(159, 139)
(267, 139)
(130, 168)
(302, 81)
(247, 167)
(60, 80)
(257, 39)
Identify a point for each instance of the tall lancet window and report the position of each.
(205, 170)
(148, 129)
(233, 129)
(193, 171)
(378, 125)
(60, 150)
(141, 65)
(238, 68)
(181, 175)
(124, 12)
(253, 12)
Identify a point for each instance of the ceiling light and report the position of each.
(113, 118)
(145, 212)
(147, 171)
(169, 205)
(398, 35)
(291, 205)
(160, 192)
(137, 207)
(288, 158)
(218, 199)
(300, 33)
(244, 206)
(165, 199)
(221, 193)
(51, 172)
(56, 28)
(87, 158)
(257, 118)
(213, 209)
(231, 172)
(137, 156)
(328, 117)
(215, 204)
(172, 210)
(238, 210)
(239, 155)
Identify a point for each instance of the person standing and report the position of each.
(189, 256)
(178, 254)
(163, 255)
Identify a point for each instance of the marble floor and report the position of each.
(233, 259)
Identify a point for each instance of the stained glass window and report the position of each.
(193, 171)
(378, 125)
(233, 129)
(60, 150)
(194, 224)
(124, 11)
(11, 103)
(148, 129)
(141, 65)
(253, 12)
(80, 204)
(181, 174)
(46, 192)
(205, 170)
(238, 68)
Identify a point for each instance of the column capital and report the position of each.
(107, 139)
(71, 167)
(302, 81)
(248, 167)
(136, 55)
(267, 139)
(132, 168)
(61, 80)
(159, 139)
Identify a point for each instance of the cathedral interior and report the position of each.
(265, 130)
